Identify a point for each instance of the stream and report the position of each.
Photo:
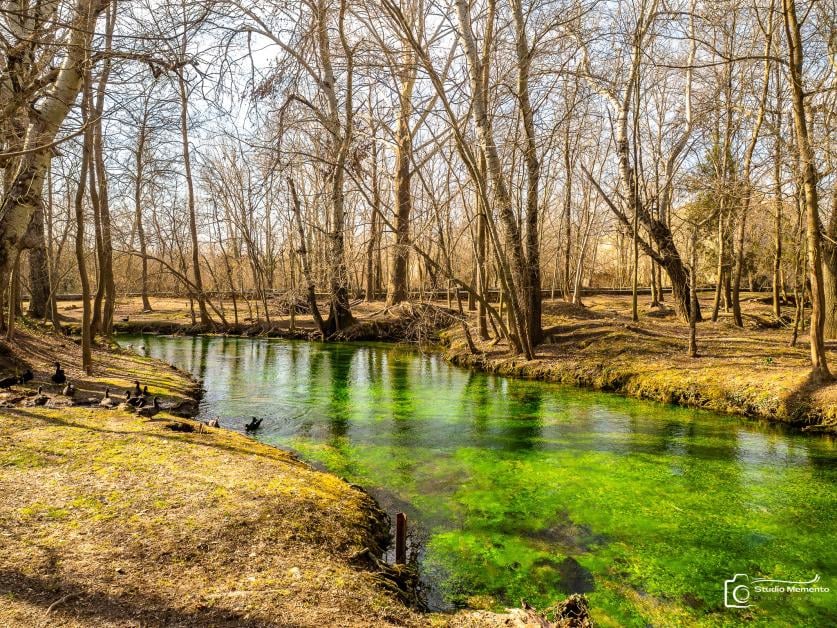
(527, 490)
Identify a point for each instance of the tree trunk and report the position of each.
(374, 229)
(777, 193)
(748, 160)
(516, 277)
(829, 276)
(533, 174)
(310, 286)
(721, 268)
(39, 289)
(139, 157)
(829, 271)
(86, 340)
(53, 281)
(819, 362)
(14, 297)
(675, 269)
(397, 289)
(108, 287)
(24, 195)
(340, 314)
(693, 350)
(482, 279)
(190, 197)
(567, 217)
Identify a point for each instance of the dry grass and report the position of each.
(108, 519)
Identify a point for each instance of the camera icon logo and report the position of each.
(737, 591)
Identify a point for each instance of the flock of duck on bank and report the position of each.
(138, 400)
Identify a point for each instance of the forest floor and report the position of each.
(111, 519)
(751, 371)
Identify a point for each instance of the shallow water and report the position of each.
(530, 490)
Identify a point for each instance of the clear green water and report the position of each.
(531, 490)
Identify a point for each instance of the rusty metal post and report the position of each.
(401, 539)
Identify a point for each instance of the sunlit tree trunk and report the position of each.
(533, 174)
(397, 289)
(310, 285)
(39, 288)
(819, 362)
(340, 314)
(139, 179)
(24, 195)
(86, 158)
(190, 198)
(517, 277)
(373, 245)
(748, 161)
(106, 287)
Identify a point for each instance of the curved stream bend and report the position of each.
(530, 490)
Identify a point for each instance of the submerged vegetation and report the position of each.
(528, 490)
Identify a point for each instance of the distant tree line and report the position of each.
(239, 153)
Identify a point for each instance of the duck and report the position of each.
(253, 425)
(145, 391)
(40, 399)
(26, 377)
(69, 390)
(150, 411)
(136, 401)
(107, 401)
(126, 401)
(58, 377)
(137, 389)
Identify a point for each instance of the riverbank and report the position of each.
(109, 517)
(374, 322)
(750, 372)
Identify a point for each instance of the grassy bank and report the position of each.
(110, 518)
(751, 371)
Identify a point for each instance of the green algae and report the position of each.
(525, 489)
